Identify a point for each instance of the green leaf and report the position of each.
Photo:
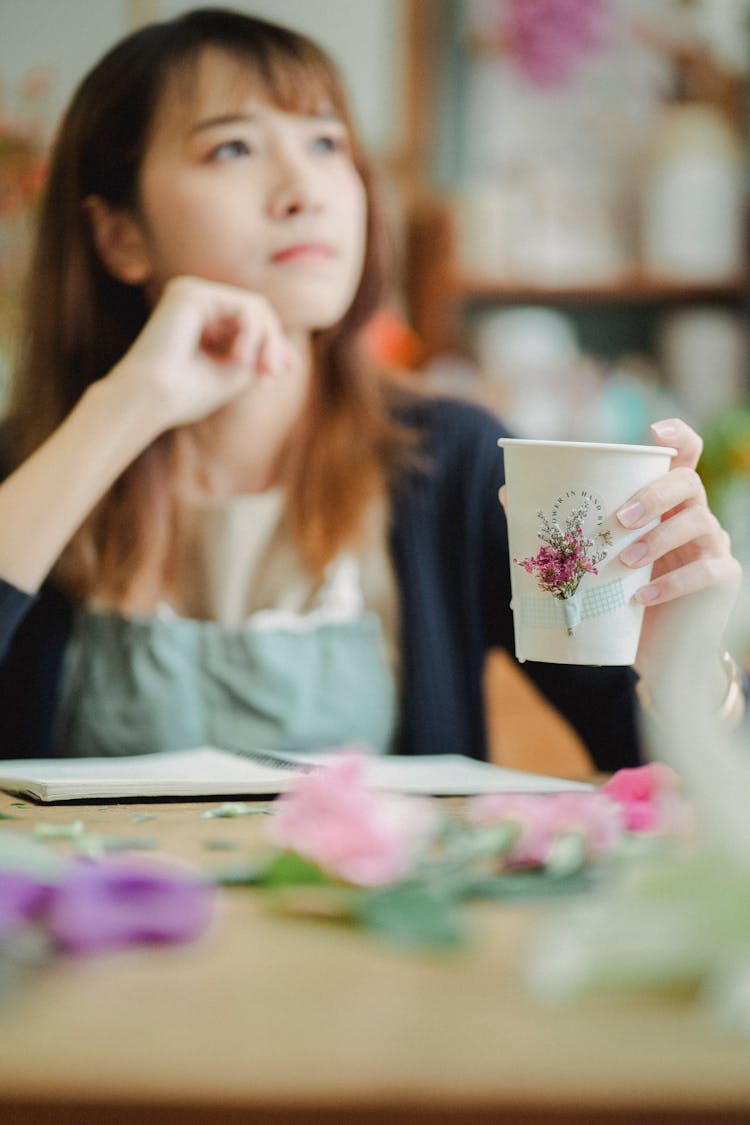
(235, 808)
(288, 868)
(60, 831)
(229, 808)
(20, 852)
(413, 914)
(97, 843)
(567, 854)
(239, 875)
(474, 844)
(532, 884)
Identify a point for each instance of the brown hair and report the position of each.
(80, 320)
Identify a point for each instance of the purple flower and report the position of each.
(112, 903)
(22, 899)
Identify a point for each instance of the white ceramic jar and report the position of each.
(693, 197)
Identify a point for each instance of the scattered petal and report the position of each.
(60, 831)
(231, 808)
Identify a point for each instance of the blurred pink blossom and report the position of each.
(548, 38)
(650, 799)
(353, 832)
(543, 818)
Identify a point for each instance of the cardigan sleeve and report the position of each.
(14, 605)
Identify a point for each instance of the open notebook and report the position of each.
(207, 772)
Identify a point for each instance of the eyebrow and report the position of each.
(250, 118)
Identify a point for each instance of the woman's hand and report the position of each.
(689, 550)
(203, 345)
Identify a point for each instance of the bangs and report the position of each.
(291, 74)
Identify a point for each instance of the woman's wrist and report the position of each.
(127, 403)
(733, 707)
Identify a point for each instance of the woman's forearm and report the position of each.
(45, 500)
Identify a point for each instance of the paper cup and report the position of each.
(562, 499)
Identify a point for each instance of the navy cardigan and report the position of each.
(449, 547)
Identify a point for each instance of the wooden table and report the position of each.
(274, 1020)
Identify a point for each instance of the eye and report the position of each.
(230, 150)
(329, 142)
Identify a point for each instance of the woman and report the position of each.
(222, 524)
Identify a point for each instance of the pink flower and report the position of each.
(650, 799)
(353, 832)
(543, 818)
(549, 37)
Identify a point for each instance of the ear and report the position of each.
(119, 241)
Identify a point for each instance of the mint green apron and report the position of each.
(136, 685)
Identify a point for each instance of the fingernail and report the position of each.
(647, 594)
(664, 429)
(268, 363)
(634, 553)
(631, 514)
(290, 358)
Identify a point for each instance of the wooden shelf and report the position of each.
(438, 290)
(633, 288)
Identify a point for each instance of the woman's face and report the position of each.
(235, 190)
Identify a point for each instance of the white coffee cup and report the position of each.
(572, 598)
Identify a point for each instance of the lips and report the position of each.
(304, 251)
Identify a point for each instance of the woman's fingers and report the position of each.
(219, 322)
(676, 433)
(205, 344)
(678, 487)
(694, 525)
(704, 572)
(688, 547)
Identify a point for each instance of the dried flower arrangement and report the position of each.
(566, 554)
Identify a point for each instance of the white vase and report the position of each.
(692, 197)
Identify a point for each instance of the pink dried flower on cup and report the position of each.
(352, 832)
(566, 554)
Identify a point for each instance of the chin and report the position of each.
(313, 300)
(314, 317)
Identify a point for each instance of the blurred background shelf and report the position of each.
(634, 288)
(438, 291)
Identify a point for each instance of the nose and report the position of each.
(293, 191)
